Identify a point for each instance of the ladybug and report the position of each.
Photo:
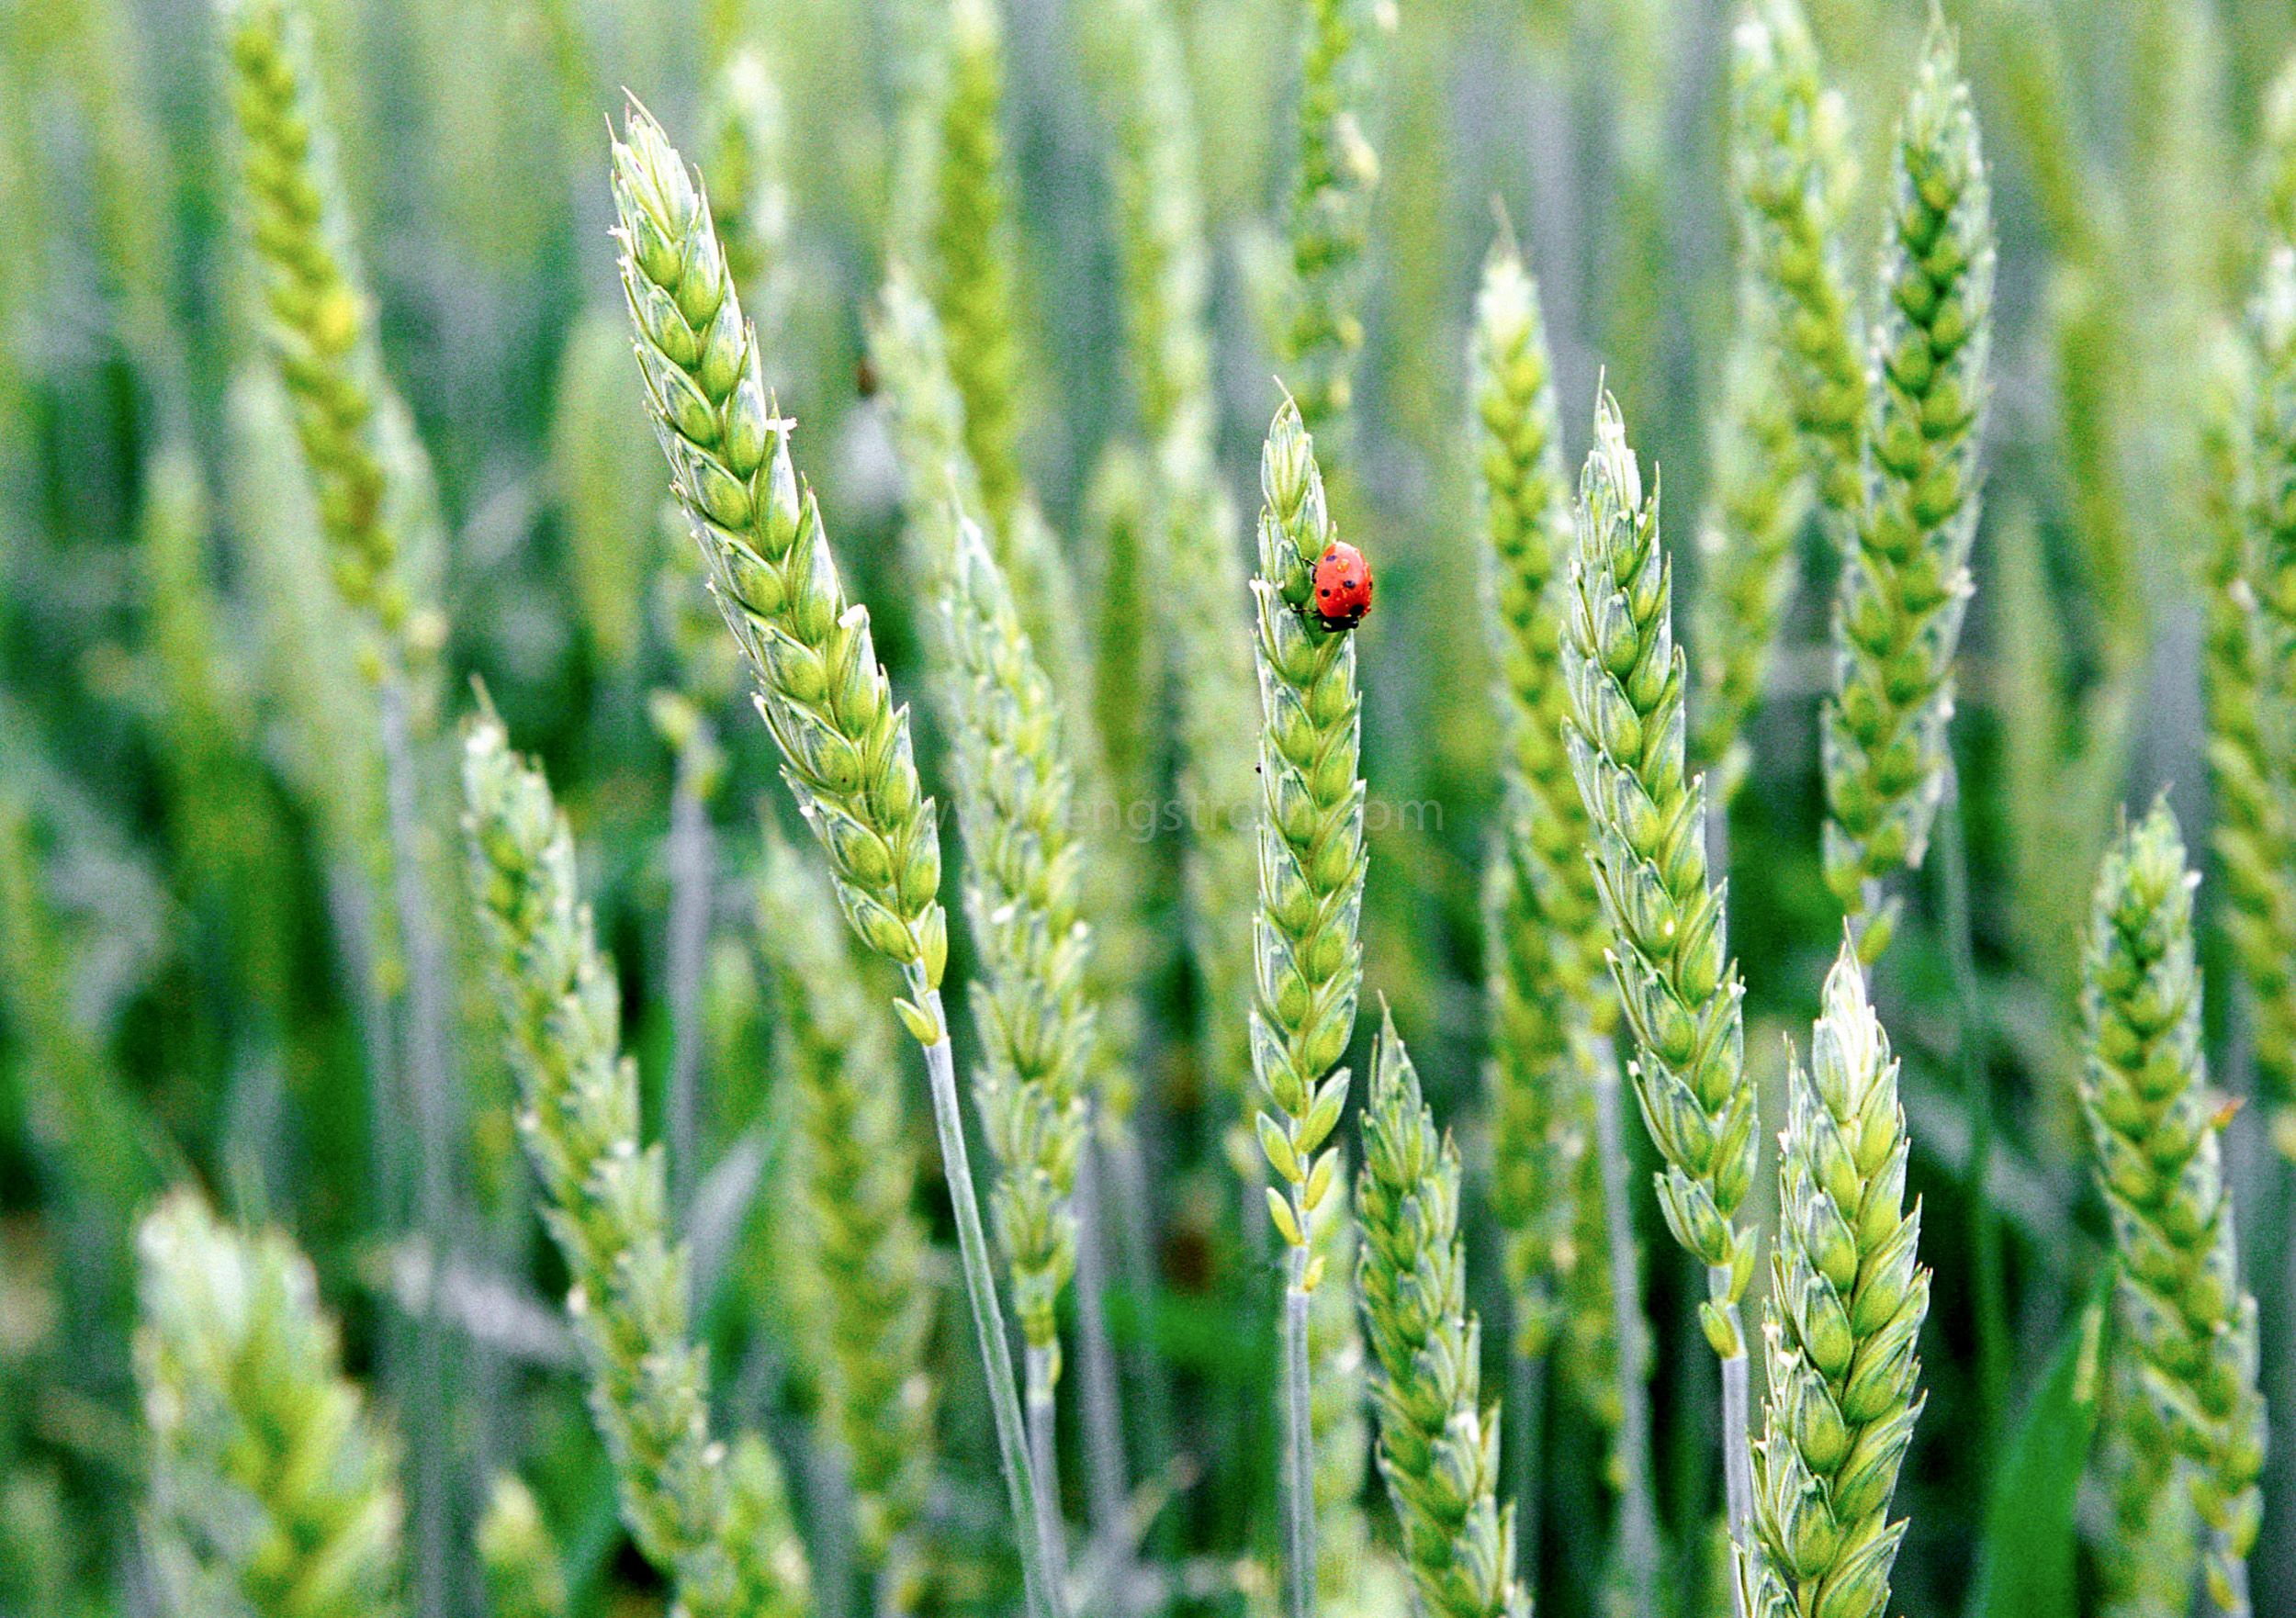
(1343, 586)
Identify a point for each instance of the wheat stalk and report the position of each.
(272, 1486)
(2156, 1145)
(845, 747)
(1905, 584)
(1308, 959)
(578, 1112)
(856, 1181)
(1847, 1301)
(1792, 174)
(1551, 1014)
(2252, 714)
(975, 249)
(1016, 794)
(1678, 990)
(1438, 1446)
(1329, 215)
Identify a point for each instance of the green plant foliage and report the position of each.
(2027, 1565)
(380, 383)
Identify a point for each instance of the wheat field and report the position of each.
(1115, 808)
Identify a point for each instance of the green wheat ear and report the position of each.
(1544, 933)
(855, 1175)
(525, 1578)
(974, 245)
(1678, 989)
(1438, 1444)
(845, 747)
(1308, 960)
(319, 319)
(2252, 687)
(2158, 1151)
(1330, 215)
(606, 1205)
(1905, 584)
(1791, 168)
(1847, 1301)
(273, 1486)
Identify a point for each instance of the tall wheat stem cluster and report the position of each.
(1308, 959)
(687, 1499)
(1557, 1165)
(1678, 990)
(2189, 1324)
(845, 748)
(1905, 584)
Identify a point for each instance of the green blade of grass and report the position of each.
(2025, 1565)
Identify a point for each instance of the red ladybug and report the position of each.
(1343, 586)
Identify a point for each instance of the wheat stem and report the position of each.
(1637, 1519)
(1039, 1366)
(1298, 1439)
(1045, 1600)
(1101, 1408)
(430, 1089)
(1526, 1402)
